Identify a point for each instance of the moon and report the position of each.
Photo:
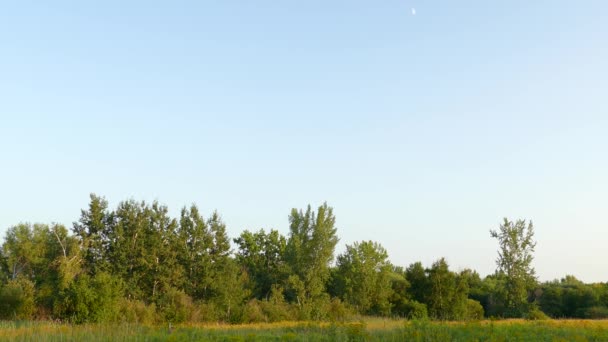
(413, 11)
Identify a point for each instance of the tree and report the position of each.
(309, 250)
(17, 299)
(222, 266)
(93, 230)
(194, 243)
(419, 283)
(363, 272)
(515, 255)
(263, 256)
(158, 262)
(24, 248)
(401, 303)
(443, 294)
(3, 268)
(92, 299)
(63, 264)
(126, 246)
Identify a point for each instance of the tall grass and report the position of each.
(367, 330)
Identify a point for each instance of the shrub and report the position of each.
(136, 311)
(175, 306)
(596, 312)
(474, 310)
(276, 309)
(95, 300)
(205, 312)
(415, 310)
(338, 311)
(17, 299)
(253, 312)
(535, 314)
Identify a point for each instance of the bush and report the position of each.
(596, 312)
(175, 306)
(205, 312)
(317, 309)
(276, 309)
(415, 310)
(94, 300)
(338, 311)
(474, 310)
(17, 299)
(253, 312)
(535, 314)
(136, 311)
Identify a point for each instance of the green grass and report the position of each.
(368, 330)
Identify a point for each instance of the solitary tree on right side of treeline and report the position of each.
(515, 255)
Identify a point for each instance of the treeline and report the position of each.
(137, 264)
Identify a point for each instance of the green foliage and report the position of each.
(399, 298)
(337, 311)
(136, 311)
(175, 306)
(447, 295)
(515, 255)
(253, 312)
(414, 310)
(309, 251)
(570, 297)
(596, 312)
(25, 251)
(205, 312)
(474, 310)
(535, 314)
(94, 230)
(137, 264)
(17, 299)
(419, 283)
(92, 299)
(276, 309)
(363, 278)
(263, 256)
(230, 292)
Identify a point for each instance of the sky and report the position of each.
(422, 123)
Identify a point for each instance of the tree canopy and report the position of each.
(136, 263)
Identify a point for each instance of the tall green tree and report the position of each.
(126, 249)
(447, 296)
(24, 249)
(364, 274)
(64, 258)
(442, 289)
(263, 256)
(204, 253)
(219, 255)
(194, 244)
(515, 255)
(159, 261)
(94, 229)
(309, 251)
(418, 281)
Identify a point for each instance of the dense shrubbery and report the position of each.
(17, 299)
(137, 264)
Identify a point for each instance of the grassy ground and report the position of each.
(367, 330)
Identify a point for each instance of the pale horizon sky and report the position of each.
(423, 123)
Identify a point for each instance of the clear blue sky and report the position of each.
(422, 131)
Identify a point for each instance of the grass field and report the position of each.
(367, 330)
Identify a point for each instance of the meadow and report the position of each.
(364, 330)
